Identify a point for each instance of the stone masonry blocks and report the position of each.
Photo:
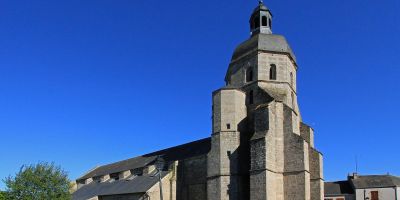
(317, 189)
(316, 165)
(307, 133)
(316, 174)
(297, 186)
(229, 110)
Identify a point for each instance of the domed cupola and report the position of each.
(261, 20)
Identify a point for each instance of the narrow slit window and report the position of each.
(272, 72)
(249, 75)
(228, 126)
(251, 97)
(293, 101)
(270, 23)
(291, 79)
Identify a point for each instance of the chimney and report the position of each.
(352, 176)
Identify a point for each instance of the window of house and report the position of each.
(264, 21)
(249, 75)
(272, 72)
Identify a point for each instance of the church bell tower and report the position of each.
(260, 147)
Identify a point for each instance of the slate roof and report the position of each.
(138, 185)
(266, 42)
(376, 181)
(338, 188)
(181, 152)
(361, 182)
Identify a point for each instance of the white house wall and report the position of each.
(339, 197)
(384, 193)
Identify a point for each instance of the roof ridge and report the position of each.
(176, 147)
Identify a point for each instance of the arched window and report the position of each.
(291, 79)
(272, 72)
(257, 22)
(249, 75)
(264, 21)
(251, 97)
(270, 23)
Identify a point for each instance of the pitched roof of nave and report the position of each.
(181, 152)
(142, 183)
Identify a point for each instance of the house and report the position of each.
(369, 187)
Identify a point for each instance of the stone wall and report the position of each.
(237, 74)
(297, 186)
(191, 180)
(307, 133)
(317, 189)
(267, 153)
(154, 192)
(224, 178)
(284, 66)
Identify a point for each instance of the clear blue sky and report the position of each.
(85, 83)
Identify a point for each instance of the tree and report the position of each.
(3, 195)
(38, 182)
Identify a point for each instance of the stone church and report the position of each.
(259, 149)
